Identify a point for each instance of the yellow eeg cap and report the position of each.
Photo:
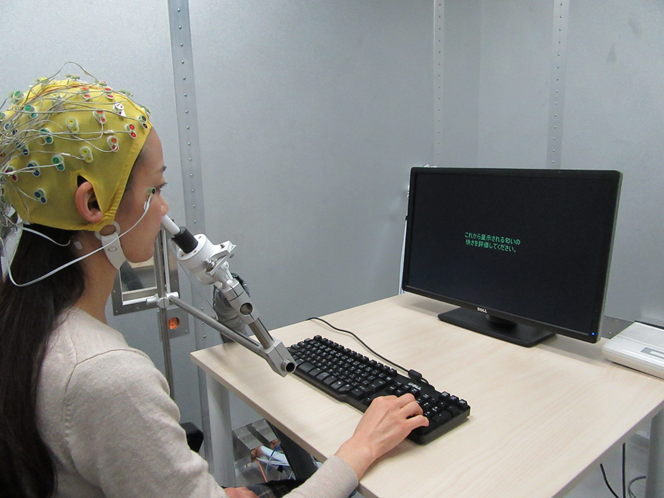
(59, 131)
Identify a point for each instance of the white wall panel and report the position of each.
(311, 115)
(514, 83)
(614, 119)
(496, 61)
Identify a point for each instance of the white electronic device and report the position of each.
(639, 346)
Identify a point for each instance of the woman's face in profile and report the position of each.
(147, 176)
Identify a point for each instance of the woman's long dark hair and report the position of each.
(28, 316)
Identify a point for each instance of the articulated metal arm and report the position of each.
(209, 263)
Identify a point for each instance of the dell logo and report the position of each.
(482, 310)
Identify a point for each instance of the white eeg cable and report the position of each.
(44, 236)
(52, 272)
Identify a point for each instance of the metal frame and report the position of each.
(655, 481)
(161, 255)
(557, 84)
(187, 115)
(129, 301)
(438, 45)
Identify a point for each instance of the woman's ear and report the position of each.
(86, 203)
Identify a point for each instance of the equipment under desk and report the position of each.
(542, 418)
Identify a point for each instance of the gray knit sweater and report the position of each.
(106, 415)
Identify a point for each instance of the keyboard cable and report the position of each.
(629, 491)
(412, 374)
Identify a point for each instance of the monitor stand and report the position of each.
(516, 333)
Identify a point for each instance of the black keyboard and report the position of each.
(353, 378)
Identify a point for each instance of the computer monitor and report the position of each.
(524, 253)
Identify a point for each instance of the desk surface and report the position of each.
(540, 417)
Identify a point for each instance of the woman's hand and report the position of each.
(239, 493)
(387, 421)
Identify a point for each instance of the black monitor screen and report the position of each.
(526, 250)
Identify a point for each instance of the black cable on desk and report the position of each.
(412, 374)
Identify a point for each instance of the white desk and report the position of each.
(541, 418)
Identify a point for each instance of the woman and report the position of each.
(81, 413)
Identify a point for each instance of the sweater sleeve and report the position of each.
(335, 479)
(123, 434)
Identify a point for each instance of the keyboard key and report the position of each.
(305, 367)
(329, 380)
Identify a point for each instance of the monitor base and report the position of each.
(516, 333)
